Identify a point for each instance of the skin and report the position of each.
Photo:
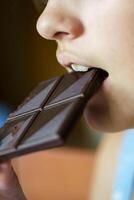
(100, 34)
(94, 33)
(97, 33)
(9, 184)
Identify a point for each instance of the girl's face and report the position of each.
(97, 33)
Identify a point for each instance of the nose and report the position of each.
(57, 24)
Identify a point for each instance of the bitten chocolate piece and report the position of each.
(45, 118)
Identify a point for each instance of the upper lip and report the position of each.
(66, 60)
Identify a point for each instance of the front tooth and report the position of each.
(79, 68)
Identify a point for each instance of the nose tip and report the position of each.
(57, 26)
(44, 27)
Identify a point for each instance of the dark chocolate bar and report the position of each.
(46, 117)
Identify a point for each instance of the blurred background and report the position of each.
(27, 59)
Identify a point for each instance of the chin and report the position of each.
(101, 122)
(101, 115)
(104, 124)
(95, 124)
(96, 114)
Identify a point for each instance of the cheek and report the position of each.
(110, 35)
(116, 39)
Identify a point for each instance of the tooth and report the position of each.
(79, 68)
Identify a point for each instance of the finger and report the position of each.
(6, 169)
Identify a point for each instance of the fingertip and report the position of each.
(5, 165)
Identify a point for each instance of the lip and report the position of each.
(66, 60)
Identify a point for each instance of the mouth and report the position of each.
(74, 64)
(77, 68)
(73, 67)
(83, 69)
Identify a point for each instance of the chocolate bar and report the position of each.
(45, 118)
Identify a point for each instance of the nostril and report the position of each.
(60, 35)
